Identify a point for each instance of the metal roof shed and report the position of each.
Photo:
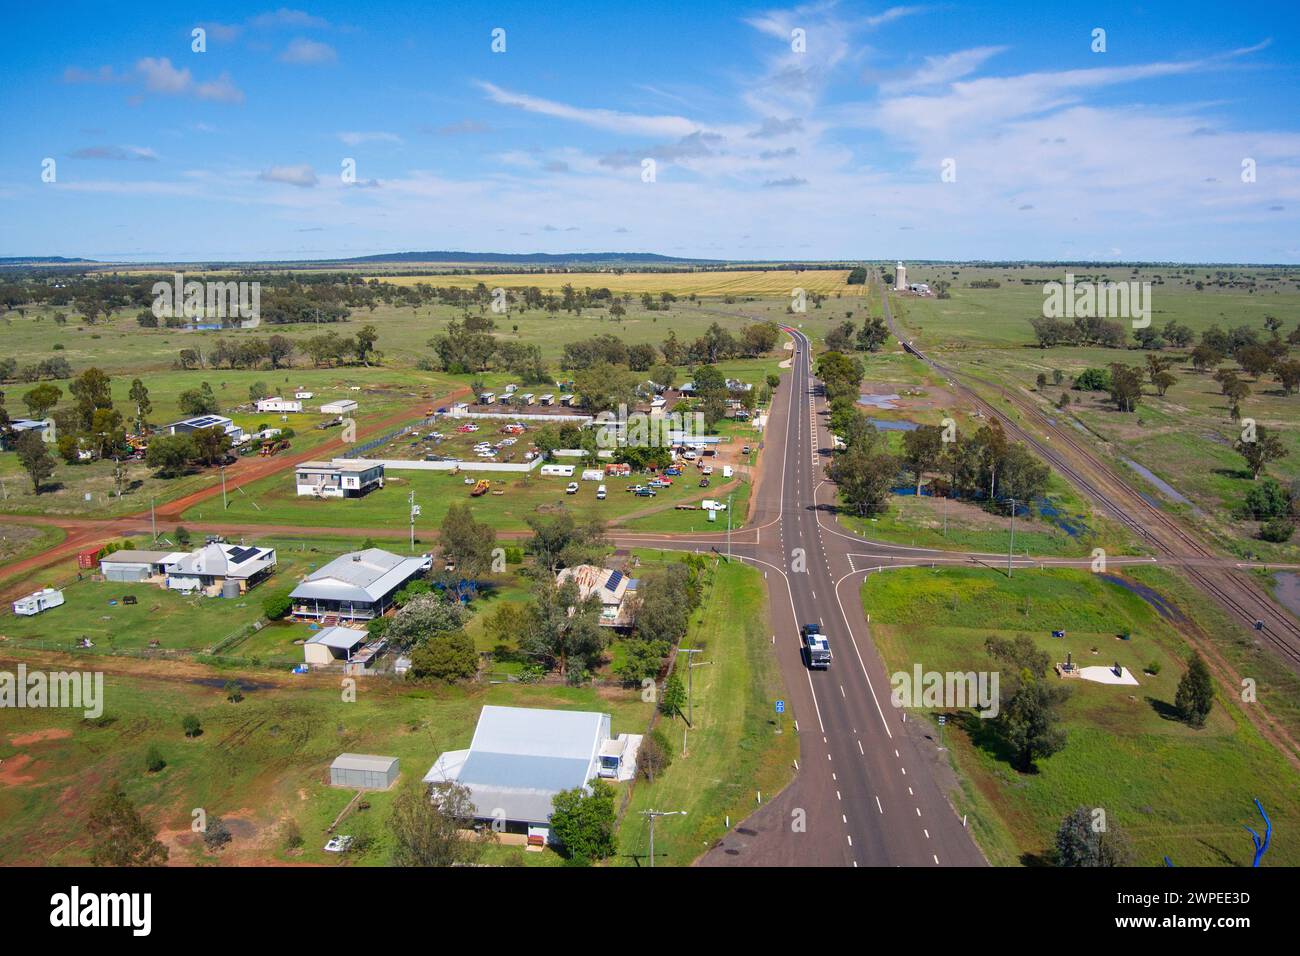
(363, 771)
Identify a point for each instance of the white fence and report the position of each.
(509, 416)
(407, 464)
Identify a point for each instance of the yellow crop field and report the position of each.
(723, 282)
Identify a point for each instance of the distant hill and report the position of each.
(532, 258)
(43, 260)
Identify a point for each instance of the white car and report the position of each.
(338, 844)
(708, 504)
(600, 493)
(571, 488)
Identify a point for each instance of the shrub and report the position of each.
(217, 834)
(153, 759)
(191, 725)
(292, 835)
(277, 606)
(1278, 531)
(654, 755)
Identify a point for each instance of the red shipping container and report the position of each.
(88, 559)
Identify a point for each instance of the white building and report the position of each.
(344, 406)
(222, 569)
(900, 278)
(521, 757)
(356, 586)
(38, 601)
(340, 478)
(278, 404)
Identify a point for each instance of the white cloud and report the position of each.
(611, 121)
(358, 138)
(302, 176)
(304, 52)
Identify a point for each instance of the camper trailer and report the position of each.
(38, 601)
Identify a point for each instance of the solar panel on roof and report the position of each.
(240, 555)
(614, 578)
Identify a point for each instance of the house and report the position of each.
(340, 478)
(333, 644)
(218, 568)
(487, 398)
(364, 771)
(38, 601)
(614, 588)
(521, 757)
(186, 425)
(356, 586)
(547, 399)
(344, 406)
(278, 404)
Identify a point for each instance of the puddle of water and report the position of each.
(1161, 485)
(1163, 607)
(894, 426)
(878, 401)
(1288, 590)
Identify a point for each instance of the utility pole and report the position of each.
(1012, 543)
(415, 511)
(654, 815)
(728, 527)
(153, 520)
(224, 504)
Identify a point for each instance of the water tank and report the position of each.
(230, 588)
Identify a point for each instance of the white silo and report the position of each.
(900, 278)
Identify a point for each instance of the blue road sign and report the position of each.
(780, 707)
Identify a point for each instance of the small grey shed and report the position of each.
(363, 772)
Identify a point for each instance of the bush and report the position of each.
(277, 606)
(654, 755)
(153, 759)
(292, 835)
(1093, 380)
(234, 691)
(1153, 668)
(191, 725)
(1278, 531)
(445, 657)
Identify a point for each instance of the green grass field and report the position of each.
(1174, 790)
(1184, 437)
(734, 752)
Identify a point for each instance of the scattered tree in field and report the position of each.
(427, 823)
(35, 457)
(865, 475)
(153, 759)
(583, 822)
(922, 449)
(191, 724)
(1266, 447)
(234, 691)
(1087, 838)
(140, 396)
(466, 543)
(1195, 695)
(1125, 386)
(41, 399)
(118, 834)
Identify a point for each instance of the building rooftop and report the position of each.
(359, 576)
(371, 762)
(342, 638)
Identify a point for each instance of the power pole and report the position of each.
(415, 511)
(224, 504)
(153, 520)
(654, 815)
(1012, 543)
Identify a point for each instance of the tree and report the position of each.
(551, 535)
(1084, 839)
(1125, 386)
(1265, 448)
(583, 822)
(444, 657)
(153, 759)
(277, 606)
(564, 630)
(41, 399)
(169, 455)
(35, 458)
(422, 618)
(198, 401)
(365, 343)
(654, 755)
(841, 374)
(119, 835)
(1195, 694)
(865, 477)
(673, 700)
(92, 389)
(191, 724)
(465, 542)
(140, 395)
(1028, 719)
(210, 444)
(427, 824)
(922, 448)
(1288, 374)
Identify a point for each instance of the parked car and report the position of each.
(674, 471)
(571, 488)
(338, 844)
(704, 482)
(646, 493)
(600, 493)
(746, 450)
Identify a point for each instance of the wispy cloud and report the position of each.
(304, 52)
(611, 121)
(302, 176)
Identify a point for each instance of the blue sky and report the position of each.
(760, 150)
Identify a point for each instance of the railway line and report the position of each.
(1240, 597)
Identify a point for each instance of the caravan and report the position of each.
(38, 601)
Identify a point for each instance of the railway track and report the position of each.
(1241, 597)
